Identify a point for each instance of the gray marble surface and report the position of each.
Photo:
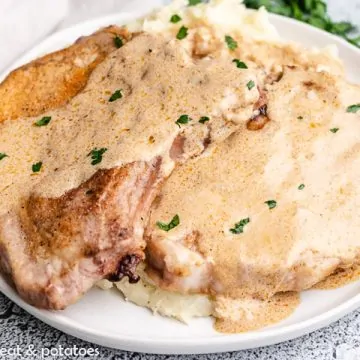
(21, 334)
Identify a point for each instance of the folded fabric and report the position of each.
(82, 10)
(23, 23)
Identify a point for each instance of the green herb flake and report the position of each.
(194, 2)
(271, 204)
(334, 130)
(116, 95)
(240, 64)
(250, 84)
(97, 155)
(118, 42)
(183, 119)
(301, 187)
(204, 119)
(239, 227)
(43, 121)
(36, 167)
(175, 18)
(172, 224)
(353, 108)
(182, 33)
(3, 156)
(231, 43)
(300, 118)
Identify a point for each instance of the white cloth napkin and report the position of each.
(23, 23)
(81, 10)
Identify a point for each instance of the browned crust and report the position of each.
(52, 80)
(69, 243)
(259, 121)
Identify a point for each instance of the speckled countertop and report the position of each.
(19, 330)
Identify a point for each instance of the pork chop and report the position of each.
(52, 80)
(78, 181)
(271, 210)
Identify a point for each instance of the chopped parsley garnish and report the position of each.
(167, 227)
(301, 187)
(183, 119)
(231, 43)
(43, 121)
(271, 203)
(239, 226)
(175, 18)
(3, 156)
(36, 167)
(194, 2)
(313, 12)
(240, 64)
(204, 119)
(300, 117)
(334, 130)
(97, 155)
(118, 41)
(250, 84)
(353, 108)
(116, 95)
(182, 33)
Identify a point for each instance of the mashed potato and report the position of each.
(166, 303)
(222, 16)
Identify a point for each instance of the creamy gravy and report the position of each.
(340, 277)
(271, 57)
(313, 229)
(159, 82)
(240, 315)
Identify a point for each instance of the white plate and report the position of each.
(104, 318)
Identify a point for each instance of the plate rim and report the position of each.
(166, 345)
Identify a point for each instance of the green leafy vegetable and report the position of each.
(183, 119)
(116, 95)
(204, 119)
(194, 2)
(353, 108)
(97, 155)
(240, 64)
(231, 43)
(43, 121)
(301, 187)
(313, 12)
(250, 84)
(239, 227)
(182, 33)
(118, 41)
(37, 167)
(167, 227)
(3, 156)
(175, 18)
(271, 203)
(334, 130)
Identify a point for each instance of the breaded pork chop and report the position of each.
(52, 80)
